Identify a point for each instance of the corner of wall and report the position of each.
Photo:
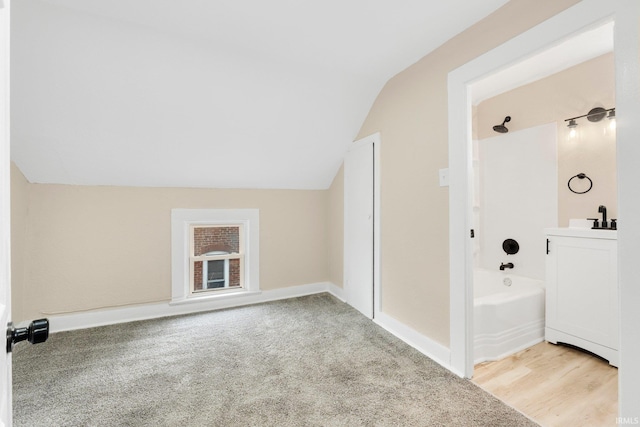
(335, 228)
(19, 216)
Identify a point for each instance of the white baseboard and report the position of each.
(90, 319)
(435, 351)
(337, 292)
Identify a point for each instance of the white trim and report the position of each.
(435, 351)
(627, 64)
(5, 207)
(377, 147)
(220, 295)
(377, 297)
(112, 316)
(337, 292)
(183, 219)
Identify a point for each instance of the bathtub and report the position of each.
(508, 314)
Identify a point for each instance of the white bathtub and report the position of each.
(507, 319)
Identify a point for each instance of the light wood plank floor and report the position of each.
(554, 385)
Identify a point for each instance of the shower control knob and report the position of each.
(37, 332)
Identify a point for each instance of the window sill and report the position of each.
(216, 297)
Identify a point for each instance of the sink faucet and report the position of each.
(603, 210)
(507, 265)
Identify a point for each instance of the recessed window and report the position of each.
(216, 258)
(214, 252)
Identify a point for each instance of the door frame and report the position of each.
(581, 17)
(5, 207)
(376, 140)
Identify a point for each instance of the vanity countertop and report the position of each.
(582, 232)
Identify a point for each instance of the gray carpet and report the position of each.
(310, 361)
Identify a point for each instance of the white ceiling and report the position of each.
(203, 93)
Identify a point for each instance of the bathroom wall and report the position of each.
(517, 192)
(572, 92)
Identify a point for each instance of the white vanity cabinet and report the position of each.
(582, 290)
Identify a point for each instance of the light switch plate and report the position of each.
(443, 174)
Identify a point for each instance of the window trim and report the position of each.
(181, 222)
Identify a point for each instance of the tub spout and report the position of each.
(507, 265)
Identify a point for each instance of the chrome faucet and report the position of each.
(507, 265)
(603, 210)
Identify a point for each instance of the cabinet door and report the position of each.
(582, 288)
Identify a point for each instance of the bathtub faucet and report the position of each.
(507, 265)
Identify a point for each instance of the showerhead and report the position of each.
(502, 128)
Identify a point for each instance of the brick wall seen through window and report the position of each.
(217, 251)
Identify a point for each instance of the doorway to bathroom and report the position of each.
(578, 20)
(543, 90)
(525, 181)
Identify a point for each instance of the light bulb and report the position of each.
(572, 128)
(612, 119)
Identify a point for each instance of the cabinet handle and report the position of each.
(547, 246)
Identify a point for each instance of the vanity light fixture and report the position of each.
(594, 115)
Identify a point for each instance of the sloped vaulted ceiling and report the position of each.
(208, 93)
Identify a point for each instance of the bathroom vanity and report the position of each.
(582, 290)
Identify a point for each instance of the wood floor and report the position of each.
(554, 385)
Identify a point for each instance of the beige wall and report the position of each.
(411, 114)
(567, 94)
(19, 213)
(335, 229)
(92, 247)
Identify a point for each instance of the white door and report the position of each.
(358, 227)
(5, 242)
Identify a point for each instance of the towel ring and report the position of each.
(580, 176)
